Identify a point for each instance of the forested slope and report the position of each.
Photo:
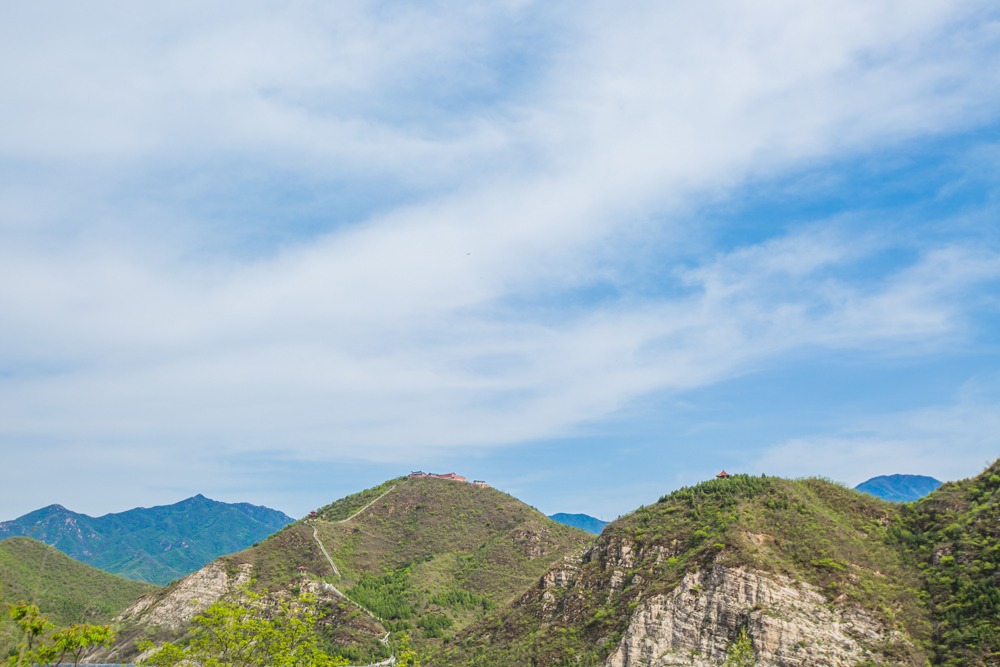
(65, 590)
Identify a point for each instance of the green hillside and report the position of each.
(156, 544)
(954, 534)
(427, 557)
(65, 590)
(460, 568)
(810, 530)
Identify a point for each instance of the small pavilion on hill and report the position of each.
(723, 475)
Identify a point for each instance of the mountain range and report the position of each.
(156, 544)
(424, 556)
(809, 571)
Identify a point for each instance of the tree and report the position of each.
(36, 647)
(250, 631)
(405, 656)
(740, 653)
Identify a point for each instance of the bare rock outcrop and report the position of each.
(789, 623)
(169, 611)
(191, 596)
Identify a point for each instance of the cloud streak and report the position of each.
(532, 267)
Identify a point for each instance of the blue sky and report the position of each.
(588, 253)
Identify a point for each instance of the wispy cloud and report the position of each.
(284, 356)
(528, 153)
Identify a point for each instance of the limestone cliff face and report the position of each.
(169, 611)
(191, 596)
(789, 623)
(167, 614)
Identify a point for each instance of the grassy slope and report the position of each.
(812, 530)
(429, 558)
(65, 590)
(155, 544)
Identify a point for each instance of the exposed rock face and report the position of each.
(193, 595)
(170, 611)
(533, 543)
(789, 623)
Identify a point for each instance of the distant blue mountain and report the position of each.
(154, 544)
(898, 488)
(582, 521)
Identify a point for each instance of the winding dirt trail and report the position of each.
(323, 549)
(384, 640)
(368, 505)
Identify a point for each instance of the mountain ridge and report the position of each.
(813, 572)
(154, 544)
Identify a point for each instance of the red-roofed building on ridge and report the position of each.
(723, 474)
(481, 483)
(449, 476)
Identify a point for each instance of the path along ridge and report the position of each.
(326, 586)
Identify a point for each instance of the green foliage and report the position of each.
(385, 595)
(36, 645)
(740, 652)
(251, 631)
(348, 505)
(456, 599)
(434, 625)
(406, 656)
(726, 490)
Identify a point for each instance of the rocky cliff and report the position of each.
(167, 614)
(789, 623)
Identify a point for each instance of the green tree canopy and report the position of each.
(253, 630)
(38, 646)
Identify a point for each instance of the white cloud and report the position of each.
(291, 357)
(398, 332)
